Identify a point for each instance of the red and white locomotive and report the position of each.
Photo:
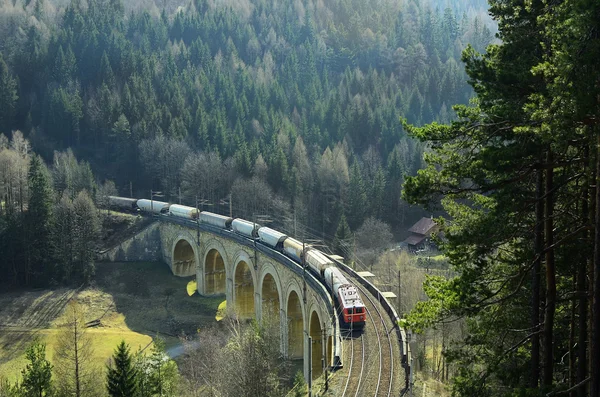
(351, 305)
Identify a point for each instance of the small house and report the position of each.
(420, 234)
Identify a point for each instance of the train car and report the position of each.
(153, 206)
(271, 238)
(317, 261)
(182, 211)
(294, 249)
(350, 304)
(224, 222)
(123, 203)
(245, 228)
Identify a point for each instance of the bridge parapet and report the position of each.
(145, 246)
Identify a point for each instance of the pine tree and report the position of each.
(37, 376)
(377, 193)
(568, 115)
(106, 74)
(122, 378)
(8, 98)
(157, 373)
(505, 171)
(343, 235)
(64, 236)
(39, 223)
(357, 197)
(86, 228)
(300, 388)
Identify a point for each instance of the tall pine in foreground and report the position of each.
(518, 175)
(122, 376)
(37, 376)
(39, 223)
(571, 106)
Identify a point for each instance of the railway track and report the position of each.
(357, 365)
(378, 352)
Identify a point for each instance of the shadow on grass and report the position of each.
(145, 296)
(24, 314)
(153, 300)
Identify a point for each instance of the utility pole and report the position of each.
(399, 296)
(197, 222)
(254, 241)
(130, 189)
(333, 322)
(354, 247)
(351, 322)
(324, 356)
(309, 366)
(303, 272)
(263, 219)
(152, 194)
(226, 202)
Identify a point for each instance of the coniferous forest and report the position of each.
(287, 110)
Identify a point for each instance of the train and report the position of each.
(351, 307)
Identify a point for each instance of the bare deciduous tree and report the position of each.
(162, 161)
(248, 363)
(14, 167)
(74, 367)
(201, 176)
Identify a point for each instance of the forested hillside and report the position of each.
(292, 107)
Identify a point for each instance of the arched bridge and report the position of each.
(256, 281)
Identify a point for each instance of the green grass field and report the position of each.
(134, 301)
(104, 341)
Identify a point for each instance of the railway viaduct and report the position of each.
(258, 282)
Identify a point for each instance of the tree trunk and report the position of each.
(591, 263)
(595, 341)
(572, 354)
(76, 346)
(550, 276)
(582, 288)
(535, 282)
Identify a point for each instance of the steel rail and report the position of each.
(362, 364)
(378, 340)
(349, 368)
(387, 335)
(352, 363)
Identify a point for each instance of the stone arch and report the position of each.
(294, 308)
(184, 257)
(216, 264)
(270, 292)
(244, 282)
(315, 332)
